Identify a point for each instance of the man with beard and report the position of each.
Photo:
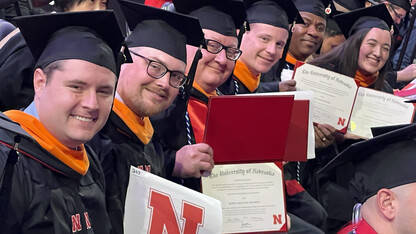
(145, 88)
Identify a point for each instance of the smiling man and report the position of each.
(262, 45)
(56, 187)
(146, 87)
(307, 37)
(183, 123)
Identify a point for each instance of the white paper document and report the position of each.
(378, 109)
(251, 195)
(334, 94)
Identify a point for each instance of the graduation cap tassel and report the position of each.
(6, 185)
(121, 58)
(186, 92)
(243, 30)
(282, 61)
(191, 75)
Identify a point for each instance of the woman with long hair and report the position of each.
(364, 57)
(350, 58)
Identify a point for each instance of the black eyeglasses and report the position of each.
(395, 12)
(215, 47)
(157, 70)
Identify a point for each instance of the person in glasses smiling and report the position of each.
(219, 20)
(146, 87)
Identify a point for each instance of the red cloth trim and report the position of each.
(293, 187)
(361, 227)
(155, 3)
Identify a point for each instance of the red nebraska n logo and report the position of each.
(341, 121)
(76, 223)
(163, 218)
(277, 219)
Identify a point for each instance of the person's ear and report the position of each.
(39, 81)
(387, 203)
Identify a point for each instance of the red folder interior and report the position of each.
(297, 140)
(243, 129)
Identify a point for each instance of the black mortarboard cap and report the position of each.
(331, 24)
(278, 13)
(316, 7)
(222, 16)
(370, 17)
(160, 29)
(385, 161)
(92, 36)
(405, 4)
(350, 5)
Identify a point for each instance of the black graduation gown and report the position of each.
(16, 74)
(269, 81)
(47, 196)
(233, 86)
(230, 86)
(170, 125)
(118, 148)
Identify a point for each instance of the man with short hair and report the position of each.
(383, 180)
(262, 45)
(219, 20)
(146, 87)
(56, 186)
(306, 39)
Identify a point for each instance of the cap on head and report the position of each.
(331, 24)
(370, 17)
(160, 29)
(349, 5)
(385, 161)
(221, 16)
(316, 7)
(278, 13)
(93, 36)
(405, 4)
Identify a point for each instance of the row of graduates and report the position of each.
(364, 56)
(147, 87)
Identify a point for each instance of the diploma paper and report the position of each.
(334, 94)
(251, 196)
(156, 205)
(377, 109)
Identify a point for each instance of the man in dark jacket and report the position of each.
(146, 87)
(57, 184)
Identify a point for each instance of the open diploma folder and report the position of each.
(244, 131)
(156, 205)
(341, 105)
(374, 108)
(334, 94)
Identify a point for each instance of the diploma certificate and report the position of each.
(251, 196)
(377, 109)
(334, 94)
